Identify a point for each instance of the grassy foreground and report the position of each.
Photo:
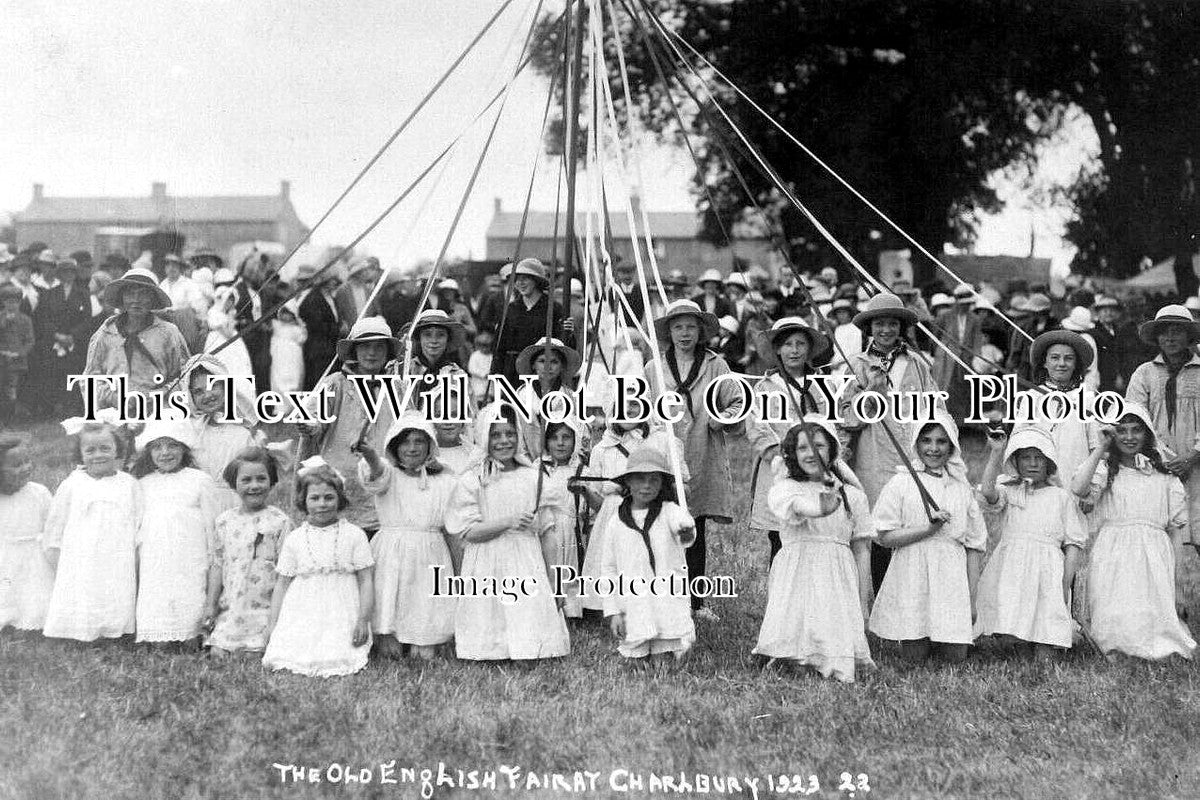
(117, 722)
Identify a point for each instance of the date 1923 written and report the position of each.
(805, 785)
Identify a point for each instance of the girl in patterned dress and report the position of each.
(320, 622)
(246, 546)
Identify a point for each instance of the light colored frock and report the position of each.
(1131, 580)
(410, 543)
(663, 619)
(175, 540)
(314, 634)
(926, 594)
(246, 549)
(607, 460)
(26, 577)
(93, 522)
(216, 443)
(1020, 591)
(813, 613)
(560, 544)
(492, 628)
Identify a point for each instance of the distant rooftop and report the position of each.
(158, 205)
(540, 224)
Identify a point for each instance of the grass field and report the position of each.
(115, 722)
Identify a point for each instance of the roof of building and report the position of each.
(540, 225)
(182, 209)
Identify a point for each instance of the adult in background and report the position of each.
(399, 306)
(318, 311)
(249, 307)
(64, 308)
(889, 364)
(688, 368)
(351, 298)
(134, 342)
(1117, 344)
(1169, 387)
(710, 298)
(959, 329)
(525, 322)
(489, 304)
(449, 299)
(626, 284)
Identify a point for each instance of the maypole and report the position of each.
(573, 86)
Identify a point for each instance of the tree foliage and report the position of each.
(919, 104)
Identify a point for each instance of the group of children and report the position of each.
(477, 527)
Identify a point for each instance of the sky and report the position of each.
(231, 96)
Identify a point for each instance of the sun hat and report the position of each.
(136, 277)
(646, 458)
(709, 326)
(412, 421)
(819, 346)
(534, 269)
(737, 279)
(881, 305)
(1169, 315)
(576, 287)
(224, 277)
(570, 357)
(437, 318)
(710, 275)
(1025, 438)
(368, 329)
(178, 429)
(982, 304)
(940, 300)
(370, 262)
(1105, 301)
(1080, 319)
(449, 284)
(1083, 350)
(963, 293)
(1037, 303)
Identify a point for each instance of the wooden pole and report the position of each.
(571, 132)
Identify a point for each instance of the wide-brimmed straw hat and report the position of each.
(1083, 350)
(570, 357)
(140, 278)
(368, 329)
(709, 327)
(882, 305)
(710, 275)
(1037, 303)
(1169, 315)
(819, 346)
(437, 318)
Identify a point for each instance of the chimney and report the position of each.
(497, 206)
(37, 191)
(285, 190)
(158, 190)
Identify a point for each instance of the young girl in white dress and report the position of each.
(175, 535)
(1025, 589)
(215, 441)
(1141, 513)
(563, 459)
(645, 543)
(320, 623)
(247, 539)
(819, 589)
(497, 511)
(608, 458)
(90, 536)
(26, 577)
(411, 492)
(928, 595)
